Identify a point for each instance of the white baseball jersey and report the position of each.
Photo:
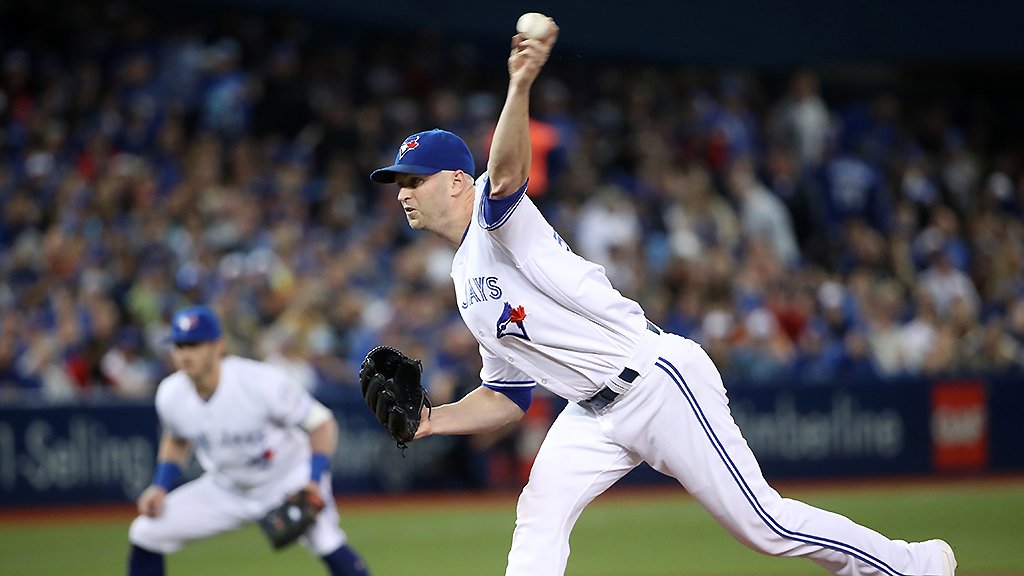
(520, 291)
(543, 315)
(248, 440)
(247, 432)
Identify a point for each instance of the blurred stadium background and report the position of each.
(828, 196)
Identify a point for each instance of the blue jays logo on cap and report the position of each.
(187, 323)
(410, 143)
(428, 153)
(510, 323)
(193, 325)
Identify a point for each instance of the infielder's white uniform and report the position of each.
(543, 315)
(247, 438)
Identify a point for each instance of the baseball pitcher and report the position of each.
(545, 316)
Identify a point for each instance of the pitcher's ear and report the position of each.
(461, 181)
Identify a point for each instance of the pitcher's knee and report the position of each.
(535, 505)
(761, 533)
(543, 518)
(776, 547)
(762, 539)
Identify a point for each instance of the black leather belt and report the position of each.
(606, 395)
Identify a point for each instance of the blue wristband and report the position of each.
(167, 474)
(318, 464)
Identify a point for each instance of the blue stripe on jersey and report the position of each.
(497, 210)
(741, 482)
(521, 395)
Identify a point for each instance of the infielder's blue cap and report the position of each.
(193, 325)
(428, 153)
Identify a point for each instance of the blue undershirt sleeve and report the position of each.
(497, 210)
(521, 395)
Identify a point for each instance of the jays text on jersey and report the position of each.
(247, 434)
(542, 314)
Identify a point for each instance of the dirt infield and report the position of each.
(45, 514)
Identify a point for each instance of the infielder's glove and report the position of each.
(283, 525)
(390, 381)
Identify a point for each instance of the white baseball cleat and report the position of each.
(948, 560)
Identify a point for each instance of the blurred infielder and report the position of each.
(259, 438)
(543, 315)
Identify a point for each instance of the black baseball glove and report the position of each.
(283, 525)
(390, 381)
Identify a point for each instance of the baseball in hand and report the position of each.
(534, 25)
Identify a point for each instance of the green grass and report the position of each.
(647, 535)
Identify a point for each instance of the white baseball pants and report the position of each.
(206, 507)
(677, 419)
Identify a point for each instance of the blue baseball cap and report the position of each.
(193, 325)
(428, 153)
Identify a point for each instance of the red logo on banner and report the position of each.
(959, 426)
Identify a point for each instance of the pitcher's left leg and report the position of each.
(699, 444)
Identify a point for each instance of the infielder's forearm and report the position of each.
(170, 460)
(173, 449)
(324, 438)
(482, 410)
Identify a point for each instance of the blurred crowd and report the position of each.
(147, 163)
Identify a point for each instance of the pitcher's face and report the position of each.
(425, 199)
